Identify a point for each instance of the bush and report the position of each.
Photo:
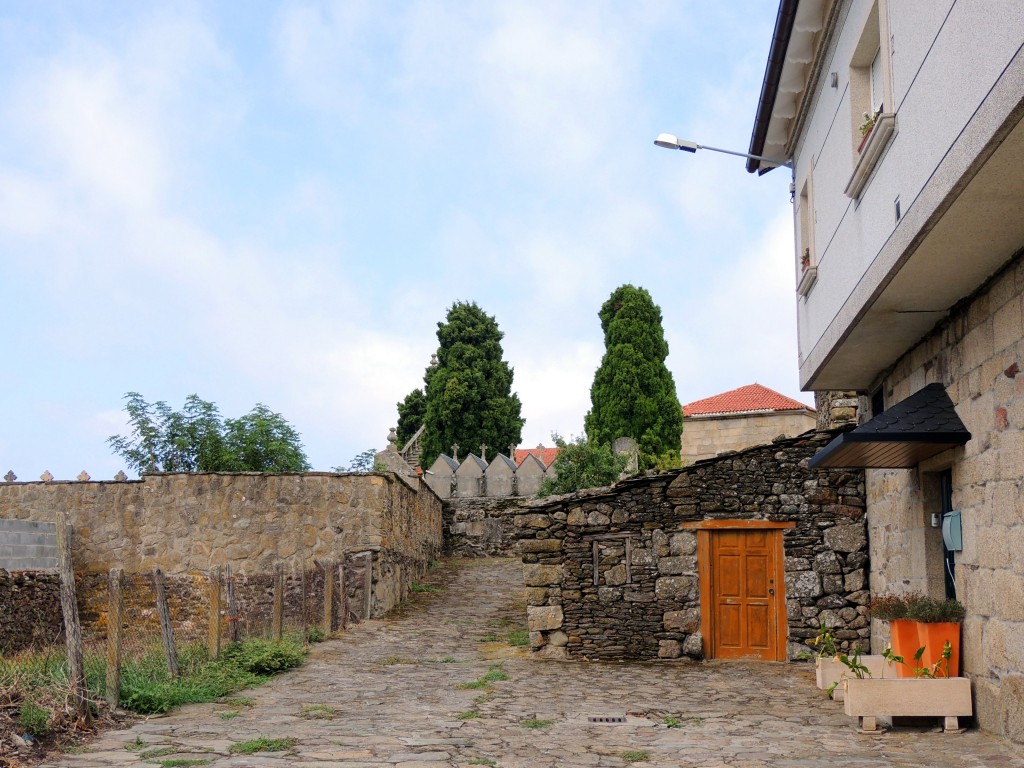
(263, 657)
(34, 719)
(913, 606)
(582, 464)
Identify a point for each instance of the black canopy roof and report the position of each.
(915, 429)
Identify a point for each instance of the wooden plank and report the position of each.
(277, 619)
(115, 632)
(213, 640)
(343, 596)
(72, 626)
(716, 525)
(232, 612)
(166, 629)
(328, 597)
(368, 587)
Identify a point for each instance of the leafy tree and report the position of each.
(469, 398)
(582, 464)
(411, 412)
(633, 394)
(196, 439)
(364, 461)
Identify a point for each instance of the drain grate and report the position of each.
(608, 719)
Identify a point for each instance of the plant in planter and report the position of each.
(832, 666)
(866, 127)
(927, 692)
(917, 621)
(805, 259)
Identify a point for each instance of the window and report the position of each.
(807, 271)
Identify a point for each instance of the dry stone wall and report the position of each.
(186, 524)
(482, 527)
(646, 602)
(29, 610)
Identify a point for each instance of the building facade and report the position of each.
(902, 122)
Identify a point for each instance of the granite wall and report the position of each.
(978, 355)
(646, 603)
(482, 527)
(29, 610)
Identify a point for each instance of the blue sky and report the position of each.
(277, 203)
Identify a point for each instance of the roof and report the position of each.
(915, 429)
(502, 460)
(753, 398)
(452, 463)
(546, 455)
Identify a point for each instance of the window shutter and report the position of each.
(877, 92)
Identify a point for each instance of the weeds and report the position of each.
(481, 761)
(391, 661)
(475, 685)
(317, 712)
(448, 660)
(262, 744)
(470, 714)
(534, 723)
(422, 588)
(671, 722)
(136, 746)
(181, 761)
(229, 715)
(148, 754)
(492, 638)
(495, 674)
(519, 637)
(635, 757)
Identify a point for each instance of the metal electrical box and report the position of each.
(952, 533)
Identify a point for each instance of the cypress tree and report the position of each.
(410, 415)
(633, 394)
(469, 398)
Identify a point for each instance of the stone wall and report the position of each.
(707, 436)
(841, 409)
(978, 354)
(482, 527)
(185, 524)
(29, 610)
(658, 612)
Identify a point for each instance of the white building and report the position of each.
(909, 273)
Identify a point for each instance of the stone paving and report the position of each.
(392, 693)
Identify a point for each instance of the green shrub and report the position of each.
(34, 719)
(263, 657)
(315, 635)
(913, 606)
(519, 637)
(262, 744)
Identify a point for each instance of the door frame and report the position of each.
(705, 573)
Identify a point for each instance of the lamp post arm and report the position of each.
(773, 161)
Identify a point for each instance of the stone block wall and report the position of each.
(482, 527)
(977, 353)
(185, 524)
(652, 608)
(707, 436)
(29, 610)
(28, 545)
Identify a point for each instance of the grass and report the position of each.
(475, 685)
(136, 746)
(484, 698)
(422, 588)
(635, 757)
(492, 638)
(182, 761)
(229, 715)
(481, 761)
(262, 744)
(238, 701)
(390, 661)
(519, 637)
(317, 712)
(470, 714)
(495, 674)
(448, 660)
(671, 722)
(147, 754)
(534, 723)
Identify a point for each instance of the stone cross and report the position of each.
(483, 451)
(10, 477)
(455, 452)
(46, 476)
(83, 476)
(512, 451)
(121, 476)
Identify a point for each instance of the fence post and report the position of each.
(69, 607)
(232, 613)
(328, 597)
(115, 611)
(214, 637)
(368, 587)
(277, 621)
(166, 630)
(343, 588)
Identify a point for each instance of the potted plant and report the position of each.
(866, 127)
(927, 691)
(917, 621)
(805, 260)
(832, 666)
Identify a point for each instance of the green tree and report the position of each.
(469, 398)
(411, 412)
(197, 439)
(582, 464)
(633, 394)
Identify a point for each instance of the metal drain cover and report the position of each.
(607, 719)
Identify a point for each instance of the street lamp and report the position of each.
(668, 141)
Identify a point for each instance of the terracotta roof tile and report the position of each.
(751, 398)
(546, 455)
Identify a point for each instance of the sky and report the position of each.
(278, 202)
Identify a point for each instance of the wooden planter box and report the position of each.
(945, 697)
(828, 670)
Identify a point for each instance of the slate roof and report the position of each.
(546, 455)
(452, 463)
(473, 457)
(917, 428)
(753, 398)
(500, 459)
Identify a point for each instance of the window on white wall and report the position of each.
(869, 74)
(877, 90)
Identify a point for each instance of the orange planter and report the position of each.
(908, 636)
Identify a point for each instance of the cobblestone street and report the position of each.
(394, 692)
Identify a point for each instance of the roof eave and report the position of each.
(773, 73)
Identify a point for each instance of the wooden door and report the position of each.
(746, 594)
